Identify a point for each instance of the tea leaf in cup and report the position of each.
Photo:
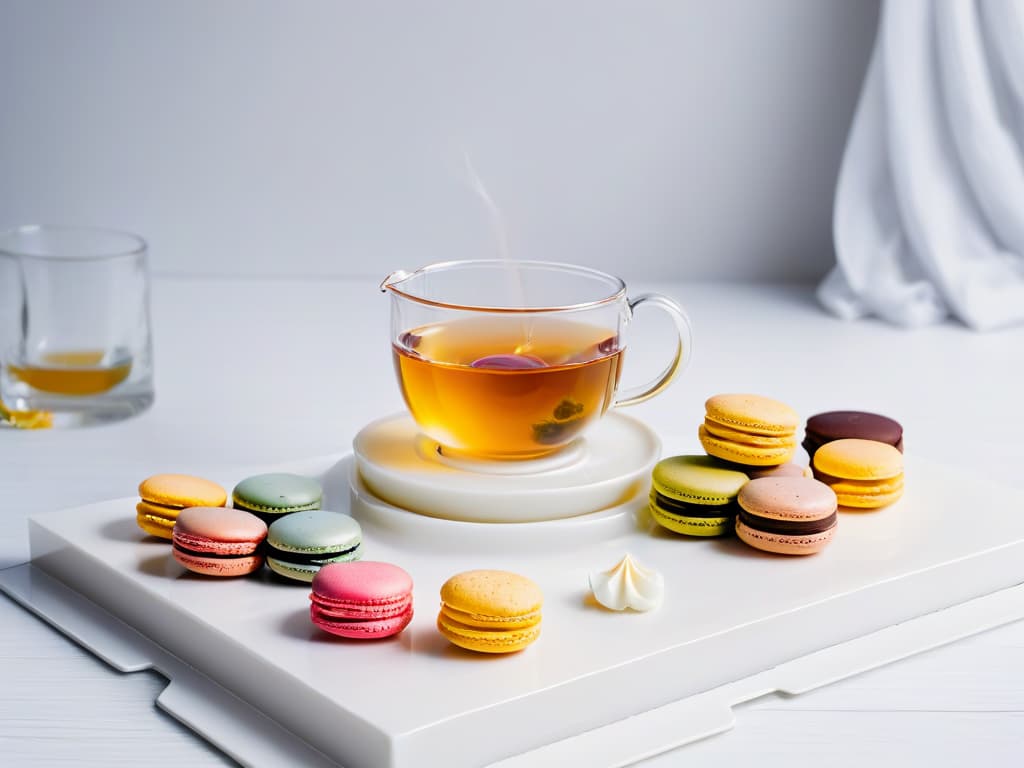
(509, 362)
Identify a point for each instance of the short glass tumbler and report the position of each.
(75, 343)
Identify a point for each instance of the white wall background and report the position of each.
(677, 139)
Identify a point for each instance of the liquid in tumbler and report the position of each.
(507, 388)
(76, 372)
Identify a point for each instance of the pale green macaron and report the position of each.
(299, 544)
(271, 495)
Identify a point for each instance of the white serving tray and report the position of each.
(250, 672)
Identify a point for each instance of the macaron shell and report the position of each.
(490, 622)
(781, 544)
(492, 594)
(744, 454)
(219, 566)
(486, 641)
(375, 629)
(752, 413)
(182, 491)
(869, 501)
(864, 487)
(691, 526)
(364, 581)
(857, 459)
(277, 492)
(221, 530)
(697, 480)
(823, 428)
(788, 498)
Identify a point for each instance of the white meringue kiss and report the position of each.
(628, 585)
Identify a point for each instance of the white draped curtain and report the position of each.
(929, 208)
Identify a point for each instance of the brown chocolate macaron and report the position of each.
(839, 425)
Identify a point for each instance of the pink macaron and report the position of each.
(218, 541)
(362, 600)
(786, 515)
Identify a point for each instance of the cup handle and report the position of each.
(684, 349)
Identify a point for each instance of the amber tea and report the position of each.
(507, 387)
(75, 372)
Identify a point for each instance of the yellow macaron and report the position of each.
(749, 429)
(490, 611)
(865, 474)
(164, 496)
(155, 519)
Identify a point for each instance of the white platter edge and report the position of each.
(254, 739)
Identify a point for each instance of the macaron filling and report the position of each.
(174, 508)
(786, 527)
(308, 558)
(214, 555)
(685, 509)
(202, 545)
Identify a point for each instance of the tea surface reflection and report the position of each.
(507, 387)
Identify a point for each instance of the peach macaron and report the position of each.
(219, 541)
(786, 515)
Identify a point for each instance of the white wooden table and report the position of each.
(262, 371)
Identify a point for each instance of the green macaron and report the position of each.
(695, 495)
(298, 545)
(276, 493)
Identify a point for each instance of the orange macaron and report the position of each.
(865, 474)
(751, 430)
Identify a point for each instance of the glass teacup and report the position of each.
(515, 360)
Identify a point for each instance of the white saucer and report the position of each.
(403, 528)
(610, 466)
